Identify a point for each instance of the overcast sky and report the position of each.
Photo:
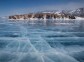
(10, 7)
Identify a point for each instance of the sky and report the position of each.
(12, 7)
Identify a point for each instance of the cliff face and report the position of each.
(41, 16)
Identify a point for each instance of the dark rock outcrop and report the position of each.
(41, 16)
(72, 17)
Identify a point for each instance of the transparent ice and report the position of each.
(40, 41)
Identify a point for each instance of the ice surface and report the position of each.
(21, 41)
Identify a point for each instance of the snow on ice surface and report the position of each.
(40, 41)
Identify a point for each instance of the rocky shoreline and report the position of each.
(41, 16)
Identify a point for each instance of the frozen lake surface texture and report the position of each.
(42, 41)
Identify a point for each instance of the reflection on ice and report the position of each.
(41, 41)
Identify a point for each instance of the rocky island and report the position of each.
(64, 14)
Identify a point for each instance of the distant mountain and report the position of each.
(78, 12)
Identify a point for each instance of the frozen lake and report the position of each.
(42, 41)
